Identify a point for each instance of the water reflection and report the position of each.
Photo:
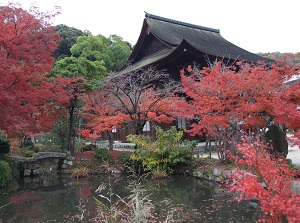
(57, 199)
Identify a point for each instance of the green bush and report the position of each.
(90, 147)
(102, 154)
(125, 158)
(29, 153)
(14, 166)
(58, 138)
(27, 143)
(80, 145)
(40, 147)
(5, 173)
(128, 163)
(165, 154)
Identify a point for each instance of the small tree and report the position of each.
(102, 116)
(131, 99)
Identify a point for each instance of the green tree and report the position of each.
(92, 57)
(57, 139)
(69, 37)
(89, 47)
(112, 50)
(92, 71)
(117, 52)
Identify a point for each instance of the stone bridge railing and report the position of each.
(31, 163)
(38, 156)
(45, 155)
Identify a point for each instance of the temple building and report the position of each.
(173, 45)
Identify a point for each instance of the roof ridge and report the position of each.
(148, 15)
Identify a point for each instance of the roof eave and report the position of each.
(140, 41)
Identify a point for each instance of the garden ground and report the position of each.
(293, 154)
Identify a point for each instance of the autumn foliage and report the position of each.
(130, 100)
(239, 104)
(252, 95)
(267, 179)
(102, 115)
(29, 101)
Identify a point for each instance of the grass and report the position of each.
(137, 207)
(80, 172)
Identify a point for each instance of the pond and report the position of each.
(57, 199)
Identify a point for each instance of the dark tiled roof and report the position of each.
(177, 36)
(146, 61)
(181, 23)
(206, 40)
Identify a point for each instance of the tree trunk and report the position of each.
(277, 139)
(110, 140)
(71, 146)
(139, 127)
(71, 136)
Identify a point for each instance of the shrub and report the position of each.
(40, 147)
(166, 153)
(14, 166)
(89, 147)
(156, 175)
(80, 145)
(29, 153)
(80, 172)
(125, 158)
(5, 173)
(128, 163)
(27, 143)
(102, 154)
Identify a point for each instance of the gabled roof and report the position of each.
(177, 36)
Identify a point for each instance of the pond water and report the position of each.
(57, 199)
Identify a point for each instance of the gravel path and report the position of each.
(294, 155)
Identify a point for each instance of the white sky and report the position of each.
(256, 26)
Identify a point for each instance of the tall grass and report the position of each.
(137, 207)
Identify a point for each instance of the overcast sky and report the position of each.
(256, 26)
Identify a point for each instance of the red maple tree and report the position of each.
(130, 100)
(267, 179)
(252, 95)
(29, 100)
(102, 115)
(239, 104)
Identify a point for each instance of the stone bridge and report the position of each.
(31, 163)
